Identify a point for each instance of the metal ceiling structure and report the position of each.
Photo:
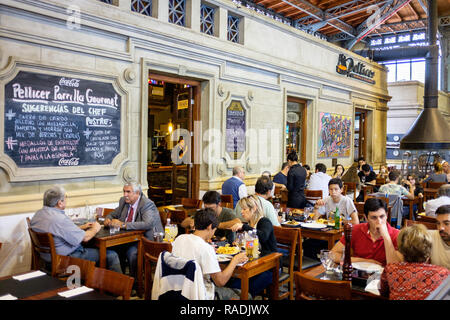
(349, 22)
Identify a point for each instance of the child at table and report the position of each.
(335, 200)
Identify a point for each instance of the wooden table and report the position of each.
(255, 267)
(43, 287)
(358, 293)
(429, 193)
(103, 240)
(331, 236)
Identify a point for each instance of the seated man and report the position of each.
(280, 179)
(366, 177)
(195, 247)
(440, 251)
(392, 187)
(443, 199)
(336, 200)
(263, 189)
(135, 212)
(225, 216)
(319, 180)
(66, 235)
(374, 241)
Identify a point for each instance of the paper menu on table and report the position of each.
(8, 297)
(29, 275)
(75, 292)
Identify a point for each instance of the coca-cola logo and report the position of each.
(69, 82)
(69, 162)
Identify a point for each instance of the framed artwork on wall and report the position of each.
(335, 132)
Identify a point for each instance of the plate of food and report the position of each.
(313, 225)
(297, 211)
(227, 250)
(223, 257)
(367, 267)
(291, 223)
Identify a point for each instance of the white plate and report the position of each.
(367, 266)
(224, 257)
(313, 225)
(291, 225)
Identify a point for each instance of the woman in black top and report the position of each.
(295, 182)
(253, 215)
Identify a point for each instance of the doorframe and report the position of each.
(362, 143)
(196, 116)
(304, 124)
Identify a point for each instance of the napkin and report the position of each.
(75, 292)
(8, 297)
(29, 275)
(373, 287)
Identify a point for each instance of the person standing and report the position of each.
(180, 152)
(280, 179)
(235, 185)
(295, 182)
(67, 236)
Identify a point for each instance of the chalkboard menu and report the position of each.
(60, 121)
(235, 130)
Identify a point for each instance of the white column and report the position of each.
(193, 14)
(123, 4)
(221, 23)
(161, 10)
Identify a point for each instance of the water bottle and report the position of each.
(249, 243)
(167, 230)
(255, 244)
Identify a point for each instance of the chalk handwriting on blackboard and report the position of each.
(58, 121)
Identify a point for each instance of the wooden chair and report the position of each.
(163, 215)
(227, 200)
(284, 197)
(176, 216)
(151, 251)
(103, 212)
(351, 187)
(380, 181)
(42, 242)
(429, 225)
(310, 288)
(190, 203)
(287, 239)
(111, 282)
(434, 185)
(63, 262)
(158, 195)
(302, 262)
(313, 194)
(360, 208)
(277, 192)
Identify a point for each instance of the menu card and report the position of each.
(75, 292)
(29, 275)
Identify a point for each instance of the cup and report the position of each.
(113, 229)
(158, 236)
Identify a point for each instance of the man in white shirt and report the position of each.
(440, 251)
(195, 247)
(443, 199)
(319, 180)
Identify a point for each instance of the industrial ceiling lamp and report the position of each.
(429, 136)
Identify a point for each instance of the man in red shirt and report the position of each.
(374, 241)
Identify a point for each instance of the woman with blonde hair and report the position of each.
(253, 215)
(438, 175)
(415, 278)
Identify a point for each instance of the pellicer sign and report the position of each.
(346, 66)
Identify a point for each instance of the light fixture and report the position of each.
(170, 126)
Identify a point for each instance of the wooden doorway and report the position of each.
(360, 134)
(296, 128)
(173, 107)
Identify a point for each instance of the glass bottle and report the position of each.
(337, 219)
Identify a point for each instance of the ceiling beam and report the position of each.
(376, 20)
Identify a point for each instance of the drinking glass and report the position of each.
(307, 213)
(326, 257)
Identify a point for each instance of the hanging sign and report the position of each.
(346, 66)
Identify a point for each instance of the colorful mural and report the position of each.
(335, 132)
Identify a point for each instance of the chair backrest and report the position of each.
(426, 219)
(103, 212)
(360, 208)
(429, 225)
(310, 288)
(111, 282)
(176, 216)
(151, 251)
(191, 203)
(42, 242)
(63, 262)
(434, 185)
(380, 181)
(313, 193)
(351, 187)
(227, 200)
(287, 239)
